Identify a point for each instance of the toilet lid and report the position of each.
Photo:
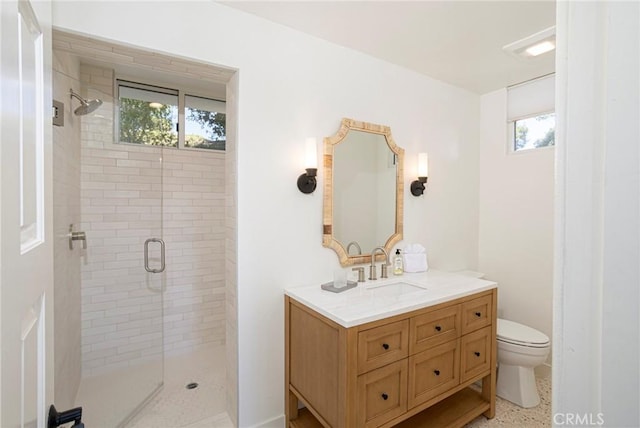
(512, 332)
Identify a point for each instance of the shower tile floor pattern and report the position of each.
(175, 406)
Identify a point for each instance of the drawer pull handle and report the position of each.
(384, 396)
(385, 346)
(478, 314)
(437, 372)
(477, 354)
(438, 328)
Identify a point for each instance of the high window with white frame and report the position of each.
(157, 116)
(531, 114)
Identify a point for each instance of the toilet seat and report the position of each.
(521, 335)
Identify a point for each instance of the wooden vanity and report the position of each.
(409, 369)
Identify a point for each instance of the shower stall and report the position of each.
(143, 304)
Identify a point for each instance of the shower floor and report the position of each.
(174, 406)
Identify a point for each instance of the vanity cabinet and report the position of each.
(415, 369)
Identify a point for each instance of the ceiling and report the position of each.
(458, 42)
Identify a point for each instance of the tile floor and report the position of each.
(508, 415)
(106, 400)
(204, 407)
(176, 406)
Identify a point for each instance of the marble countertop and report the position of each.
(375, 300)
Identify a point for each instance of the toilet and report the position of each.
(520, 350)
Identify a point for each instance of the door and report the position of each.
(26, 251)
(122, 267)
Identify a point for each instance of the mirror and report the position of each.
(363, 190)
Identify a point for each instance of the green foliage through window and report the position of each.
(205, 123)
(143, 124)
(535, 132)
(148, 115)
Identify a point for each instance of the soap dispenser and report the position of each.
(398, 265)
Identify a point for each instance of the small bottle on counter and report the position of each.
(398, 266)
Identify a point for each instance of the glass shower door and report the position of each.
(122, 279)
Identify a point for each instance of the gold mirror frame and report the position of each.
(328, 240)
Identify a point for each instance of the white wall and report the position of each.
(597, 276)
(516, 219)
(292, 86)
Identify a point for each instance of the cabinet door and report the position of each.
(434, 328)
(382, 345)
(382, 394)
(433, 372)
(476, 314)
(475, 353)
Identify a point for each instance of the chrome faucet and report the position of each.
(372, 268)
(355, 244)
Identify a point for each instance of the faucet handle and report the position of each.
(383, 273)
(360, 271)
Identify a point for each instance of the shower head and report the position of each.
(87, 106)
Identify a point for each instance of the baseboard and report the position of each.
(277, 422)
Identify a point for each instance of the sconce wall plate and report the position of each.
(417, 186)
(307, 181)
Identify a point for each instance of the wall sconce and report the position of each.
(307, 181)
(417, 186)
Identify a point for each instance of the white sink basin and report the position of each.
(395, 289)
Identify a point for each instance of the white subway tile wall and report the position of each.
(128, 194)
(66, 211)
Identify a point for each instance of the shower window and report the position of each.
(205, 123)
(151, 115)
(148, 115)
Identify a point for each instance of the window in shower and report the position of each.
(151, 115)
(148, 115)
(205, 121)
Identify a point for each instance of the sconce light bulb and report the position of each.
(311, 153)
(423, 165)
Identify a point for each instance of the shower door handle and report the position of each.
(146, 255)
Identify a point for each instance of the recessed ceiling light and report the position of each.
(156, 105)
(541, 48)
(534, 45)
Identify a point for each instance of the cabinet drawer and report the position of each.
(433, 372)
(382, 345)
(475, 353)
(382, 394)
(434, 328)
(476, 314)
